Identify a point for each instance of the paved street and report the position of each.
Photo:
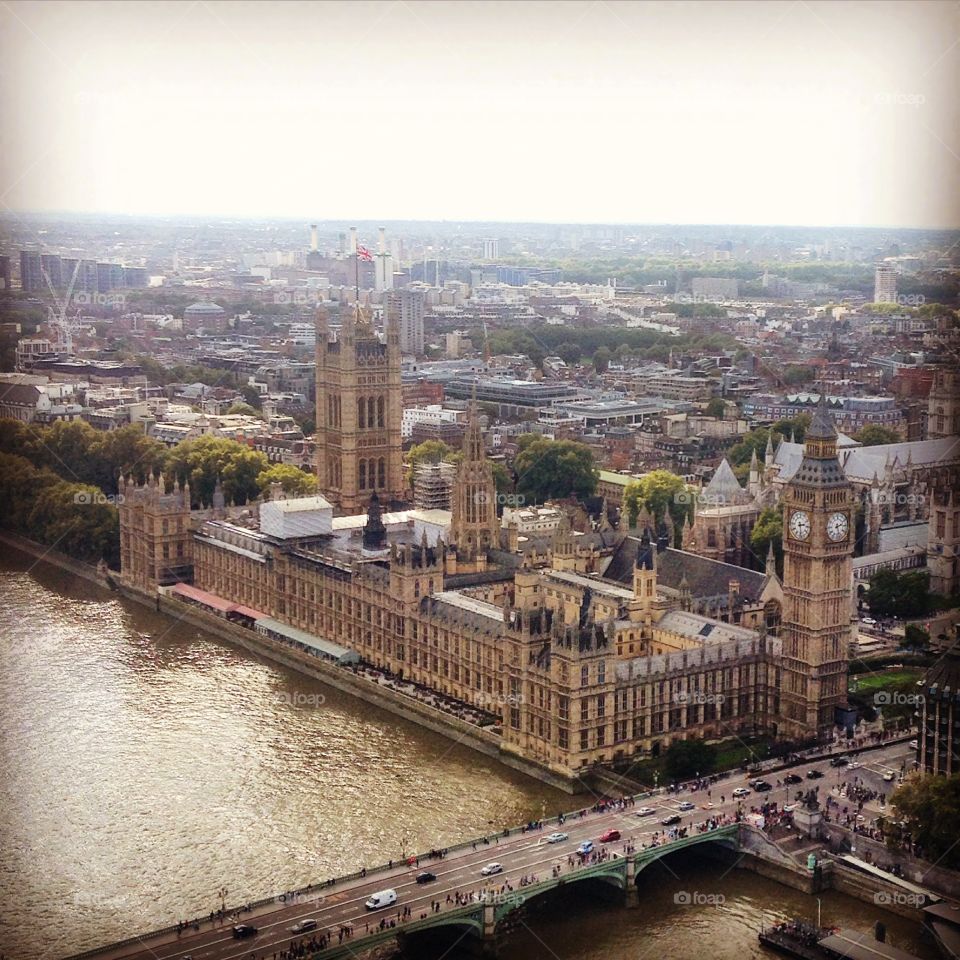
(524, 855)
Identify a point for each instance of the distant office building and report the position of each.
(406, 306)
(885, 283)
(135, 277)
(491, 249)
(52, 271)
(5, 275)
(31, 272)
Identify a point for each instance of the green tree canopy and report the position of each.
(294, 481)
(660, 491)
(900, 595)
(688, 758)
(716, 408)
(203, 460)
(550, 469)
(873, 434)
(768, 529)
(929, 806)
(601, 359)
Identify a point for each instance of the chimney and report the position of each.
(314, 243)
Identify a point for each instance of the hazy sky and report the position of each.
(800, 112)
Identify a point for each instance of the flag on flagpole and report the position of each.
(364, 254)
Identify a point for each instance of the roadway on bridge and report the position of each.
(521, 854)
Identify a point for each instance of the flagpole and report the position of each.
(356, 267)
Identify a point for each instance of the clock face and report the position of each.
(800, 525)
(837, 526)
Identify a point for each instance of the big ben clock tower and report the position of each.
(817, 585)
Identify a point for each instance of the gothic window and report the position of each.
(363, 473)
(711, 537)
(371, 412)
(381, 473)
(380, 421)
(361, 415)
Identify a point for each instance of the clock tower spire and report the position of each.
(817, 585)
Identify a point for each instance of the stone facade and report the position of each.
(359, 408)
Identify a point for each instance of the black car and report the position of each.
(814, 774)
(426, 877)
(671, 820)
(839, 762)
(793, 778)
(244, 930)
(761, 786)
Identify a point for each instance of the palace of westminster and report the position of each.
(589, 645)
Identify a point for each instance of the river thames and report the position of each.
(145, 767)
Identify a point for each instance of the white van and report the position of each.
(384, 898)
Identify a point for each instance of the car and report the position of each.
(304, 925)
(646, 812)
(793, 778)
(914, 744)
(243, 931)
(789, 807)
(558, 837)
(761, 786)
(855, 764)
(741, 792)
(610, 836)
(839, 762)
(671, 820)
(491, 868)
(889, 775)
(585, 848)
(869, 621)
(686, 805)
(381, 899)
(426, 877)
(814, 774)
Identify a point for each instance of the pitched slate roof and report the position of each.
(724, 489)
(706, 579)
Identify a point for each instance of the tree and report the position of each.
(552, 469)
(794, 375)
(601, 359)
(768, 529)
(689, 758)
(205, 460)
(569, 352)
(252, 395)
(658, 492)
(716, 408)
(929, 807)
(430, 451)
(873, 434)
(243, 408)
(900, 595)
(294, 481)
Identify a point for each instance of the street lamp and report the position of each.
(222, 894)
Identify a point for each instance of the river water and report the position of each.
(144, 766)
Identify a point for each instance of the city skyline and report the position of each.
(579, 113)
